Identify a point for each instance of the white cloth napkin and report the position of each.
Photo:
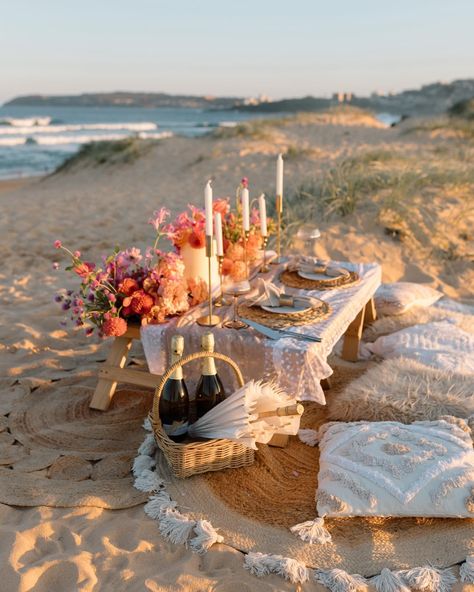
(269, 295)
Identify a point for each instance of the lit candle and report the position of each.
(279, 177)
(218, 231)
(245, 209)
(208, 208)
(263, 214)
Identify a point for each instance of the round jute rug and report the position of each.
(254, 507)
(55, 451)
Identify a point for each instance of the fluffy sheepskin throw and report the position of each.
(403, 390)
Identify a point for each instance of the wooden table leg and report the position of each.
(350, 348)
(370, 312)
(326, 384)
(105, 388)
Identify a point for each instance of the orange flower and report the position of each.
(114, 327)
(222, 206)
(181, 237)
(239, 271)
(197, 239)
(227, 266)
(128, 286)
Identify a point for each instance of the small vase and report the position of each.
(196, 265)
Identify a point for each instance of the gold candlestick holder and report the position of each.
(264, 268)
(279, 209)
(220, 299)
(209, 320)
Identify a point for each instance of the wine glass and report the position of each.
(305, 239)
(235, 290)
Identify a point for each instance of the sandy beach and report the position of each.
(419, 231)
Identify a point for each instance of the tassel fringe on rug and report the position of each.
(200, 535)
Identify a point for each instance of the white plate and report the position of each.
(300, 306)
(313, 276)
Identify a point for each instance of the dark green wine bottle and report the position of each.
(210, 390)
(174, 400)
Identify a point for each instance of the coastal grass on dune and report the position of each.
(263, 129)
(447, 127)
(107, 152)
(423, 201)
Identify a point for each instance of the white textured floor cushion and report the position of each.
(392, 469)
(442, 345)
(398, 297)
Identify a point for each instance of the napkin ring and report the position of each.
(286, 300)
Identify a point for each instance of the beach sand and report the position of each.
(92, 208)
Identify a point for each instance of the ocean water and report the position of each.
(36, 140)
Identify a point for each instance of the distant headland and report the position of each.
(428, 100)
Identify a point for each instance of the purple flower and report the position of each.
(58, 298)
(66, 306)
(55, 265)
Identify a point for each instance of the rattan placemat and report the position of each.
(293, 280)
(318, 311)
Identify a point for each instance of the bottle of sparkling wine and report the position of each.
(174, 400)
(209, 391)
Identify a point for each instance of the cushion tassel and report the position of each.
(148, 445)
(176, 527)
(206, 536)
(261, 564)
(309, 437)
(338, 580)
(147, 424)
(429, 579)
(466, 570)
(148, 481)
(389, 581)
(312, 531)
(157, 504)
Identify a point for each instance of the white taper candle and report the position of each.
(279, 176)
(218, 232)
(263, 214)
(245, 209)
(208, 208)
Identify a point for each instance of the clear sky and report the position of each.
(239, 47)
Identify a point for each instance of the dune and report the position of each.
(377, 194)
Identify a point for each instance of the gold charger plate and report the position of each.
(317, 312)
(292, 279)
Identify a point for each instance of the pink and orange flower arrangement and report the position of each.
(130, 286)
(188, 228)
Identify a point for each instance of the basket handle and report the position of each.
(182, 362)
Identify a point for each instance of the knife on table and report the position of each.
(279, 333)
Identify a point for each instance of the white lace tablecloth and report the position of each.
(297, 366)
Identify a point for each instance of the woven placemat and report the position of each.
(293, 280)
(318, 311)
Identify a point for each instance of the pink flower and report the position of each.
(57, 244)
(55, 265)
(159, 216)
(77, 254)
(244, 182)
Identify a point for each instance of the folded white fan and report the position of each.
(254, 413)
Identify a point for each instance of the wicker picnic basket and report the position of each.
(192, 458)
